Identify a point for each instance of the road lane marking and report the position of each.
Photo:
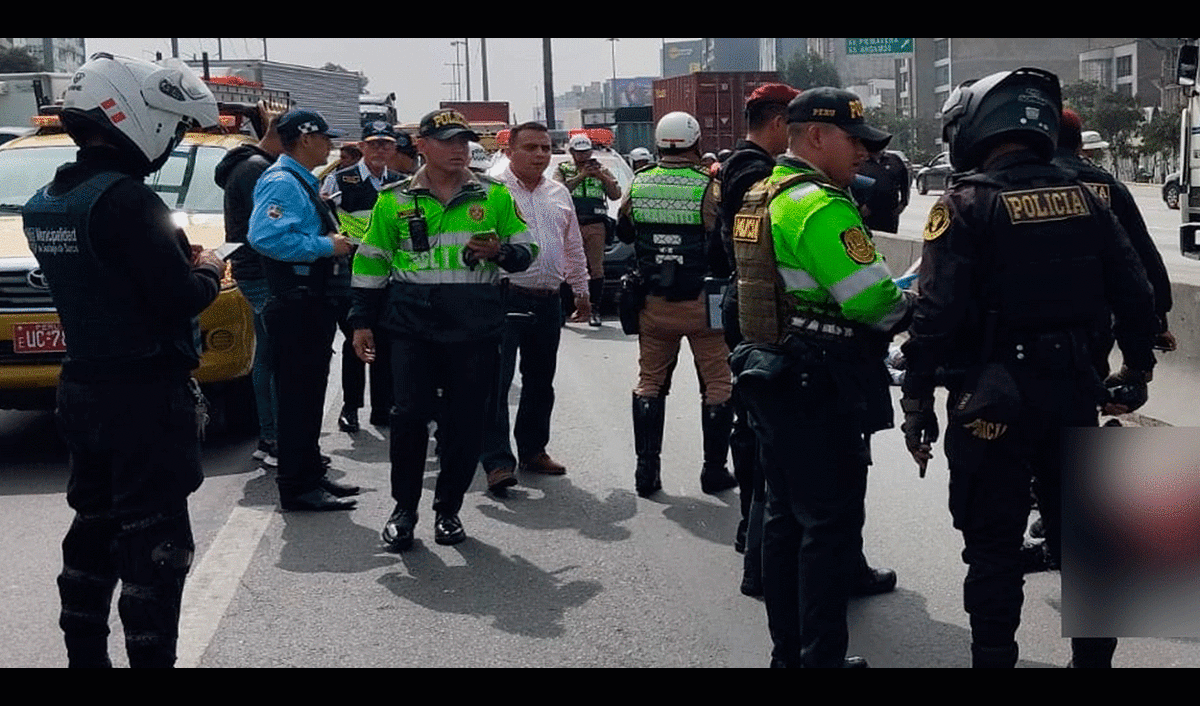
(211, 586)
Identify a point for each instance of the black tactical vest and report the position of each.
(102, 316)
(1046, 272)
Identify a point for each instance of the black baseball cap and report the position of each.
(444, 124)
(295, 123)
(839, 107)
(379, 130)
(404, 143)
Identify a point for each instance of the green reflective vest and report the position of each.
(666, 207)
(825, 256)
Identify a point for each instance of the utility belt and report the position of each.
(808, 326)
(289, 281)
(1052, 350)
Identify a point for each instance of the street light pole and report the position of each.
(613, 88)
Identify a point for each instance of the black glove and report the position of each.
(1127, 391)
(920, 429)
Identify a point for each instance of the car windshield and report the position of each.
(185, 182)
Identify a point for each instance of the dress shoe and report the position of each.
(316, 500)
(873, 582)
(542, 463)
(398, 531)
(855, 662)
(500, 479)
(595, 320)
(447, 529)
(348, 420)
(341, 490)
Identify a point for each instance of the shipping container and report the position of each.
(716, 99)
(480, 111)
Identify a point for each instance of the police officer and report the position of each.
(591, 186)
(1116, 195)
(816, 307)
(1021, 261)
(294, 230)
(128, 289)
(669, 216)
(353, 191)
(751, 161)
(427, 273)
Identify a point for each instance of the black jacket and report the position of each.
(237, 174)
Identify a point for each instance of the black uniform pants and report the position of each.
(465, 372)
(814, 459)
(990, 494)
(134, 457)
(537, 341)
(354, 371)
(302, 328)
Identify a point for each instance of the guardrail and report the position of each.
(1175, 390)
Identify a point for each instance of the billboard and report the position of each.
(680, 58)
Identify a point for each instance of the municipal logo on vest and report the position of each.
(858, 246)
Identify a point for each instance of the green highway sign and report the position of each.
(879, 45)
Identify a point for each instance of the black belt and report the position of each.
(803, 325)
(539, 293)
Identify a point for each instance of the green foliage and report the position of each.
(1115, 116)
(915, 137)
(809, 71)
(18, 60)
(1161, 134)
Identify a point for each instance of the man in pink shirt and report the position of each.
(534, 312)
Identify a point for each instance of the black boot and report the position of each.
(716, 422)
(752, 561)
(596, 295)
(648, 413)
(1092, 652)
(994, 657)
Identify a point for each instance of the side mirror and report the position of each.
(1185, 69)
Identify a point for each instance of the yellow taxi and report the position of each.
(31, 340)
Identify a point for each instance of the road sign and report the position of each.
(879, 45)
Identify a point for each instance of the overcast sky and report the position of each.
(420, 71)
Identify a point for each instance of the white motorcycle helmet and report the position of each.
(677, 130)
(145, 106)
(480, 159)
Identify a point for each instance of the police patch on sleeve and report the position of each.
(745, 228)
(939, 221)
(858, 246)
(274, 211)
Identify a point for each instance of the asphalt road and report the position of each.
(572, 571)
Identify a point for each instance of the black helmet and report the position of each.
(1024, 105)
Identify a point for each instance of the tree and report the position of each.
(915, 137)
(809, 71)
(1115, 116)
(18, 60)
(1161, 135)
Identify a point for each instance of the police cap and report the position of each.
(839, 107)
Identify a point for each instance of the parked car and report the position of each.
(1170, 190)
(31, 343)
(935, 174)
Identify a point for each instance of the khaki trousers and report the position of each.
(593, 248)
(662, 325)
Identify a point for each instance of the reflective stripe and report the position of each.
(797, 279)
(803, 190)
(855, 284)
(480, 275)
(371, 251)
(368, 281)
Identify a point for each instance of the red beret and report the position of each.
(773, 93)
(1070, 119)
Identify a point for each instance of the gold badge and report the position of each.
(745, 228)
(988, 431)
(476, 212)
(939, 221)
(858, 246)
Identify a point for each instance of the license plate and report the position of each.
(45, 337)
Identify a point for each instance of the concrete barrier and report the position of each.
(1175, 391)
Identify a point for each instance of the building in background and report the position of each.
(58, 55)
